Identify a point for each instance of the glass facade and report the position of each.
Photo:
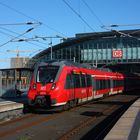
(99, 50)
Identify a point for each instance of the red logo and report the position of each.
(117, 53)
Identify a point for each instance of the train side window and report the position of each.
(101, 84)
(77, 81)
(122, 83)
(67, 82)
(114, 83)
(98, 84)
(109, 83)
(106, 84)
(83, 81)
(117, 84)
(89, 80)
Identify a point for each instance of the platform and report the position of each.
(8, 104)
(128, 126)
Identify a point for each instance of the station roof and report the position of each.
(81, 37)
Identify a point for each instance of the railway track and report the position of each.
(101, 129)
(38, 119)
(98, 119)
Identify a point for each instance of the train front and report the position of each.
(42, 84)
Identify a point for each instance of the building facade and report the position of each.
(18, 62)
(117, 50)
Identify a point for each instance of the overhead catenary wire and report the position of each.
(29, 30)
(22, 36)
(15, 24)
(34, 52)
(118, 25)
(92, 12)
(6, 34)
(76, 13)
(29, 17)
(16, 37)
(120, 32)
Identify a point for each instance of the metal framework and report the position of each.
(96, 48)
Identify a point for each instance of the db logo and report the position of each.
(43, 88)
(117, 53)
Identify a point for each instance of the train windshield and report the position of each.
(47, 74)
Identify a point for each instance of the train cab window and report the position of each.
(47, 74)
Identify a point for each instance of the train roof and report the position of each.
(71, 63)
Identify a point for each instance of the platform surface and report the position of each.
(128, 126)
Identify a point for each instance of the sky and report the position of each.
(63, 18)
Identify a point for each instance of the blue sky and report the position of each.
(59, 19)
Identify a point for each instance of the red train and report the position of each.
(66, 84)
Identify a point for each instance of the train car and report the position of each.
(131, 82)
(66, 84)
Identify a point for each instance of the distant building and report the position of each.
(19, 62)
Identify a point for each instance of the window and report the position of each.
(117, 83)
(129, 53)
(102, 84)
(90, 54)
(89, 80)
(97, 84)
(134, 52)
(77, 81)
(83, 81)
(104, 54)
(139, 52)
(109, 54)
(47, 74)
(68, 81)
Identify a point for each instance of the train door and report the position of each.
(111, 85)
(94, 86)
(83, 88)
(72, 91)
(86, 87)
(89, 87)
(69, 86)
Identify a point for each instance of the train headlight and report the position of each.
(53, 86)
(34, 86)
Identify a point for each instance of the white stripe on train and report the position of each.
(89, 98)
